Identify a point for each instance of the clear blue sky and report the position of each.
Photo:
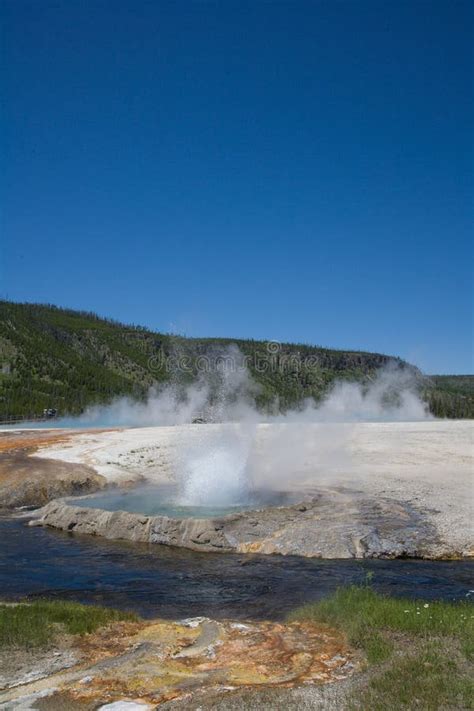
(298, 171)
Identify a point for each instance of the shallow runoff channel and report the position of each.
(158, 581)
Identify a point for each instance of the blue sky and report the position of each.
(297, 171)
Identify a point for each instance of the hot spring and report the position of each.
(211, 473)
(165, 500)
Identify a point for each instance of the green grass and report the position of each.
(430, 677)
(419, 654)
(364, 615)
(36, 624)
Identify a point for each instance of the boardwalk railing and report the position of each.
(26, 420)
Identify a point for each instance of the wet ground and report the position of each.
(158, 581)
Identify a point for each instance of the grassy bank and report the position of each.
(36, 624)
(419, 655)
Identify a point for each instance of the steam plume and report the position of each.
(221, 465)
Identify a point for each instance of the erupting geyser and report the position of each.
(217, 478)
(214, 470)
(242, 457)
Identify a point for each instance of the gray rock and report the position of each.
(335, 524)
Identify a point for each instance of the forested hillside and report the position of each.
(67, 360)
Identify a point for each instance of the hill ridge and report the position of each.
(55, 357)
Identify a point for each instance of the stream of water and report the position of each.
(172, 583)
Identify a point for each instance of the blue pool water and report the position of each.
(162, 500)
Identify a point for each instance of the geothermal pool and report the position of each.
(166, 500)
(428, 464)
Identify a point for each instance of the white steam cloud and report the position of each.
(225, 464)
(228, 395)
